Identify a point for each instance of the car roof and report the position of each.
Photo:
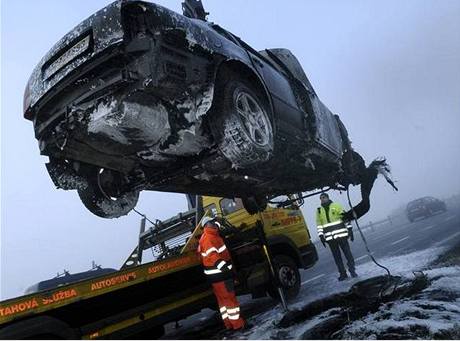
(67, 278)
(420, 200)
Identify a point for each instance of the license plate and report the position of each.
(72, 53)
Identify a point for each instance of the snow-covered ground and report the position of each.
(326, 308)
(434, 312)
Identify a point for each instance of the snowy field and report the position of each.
(432, 313)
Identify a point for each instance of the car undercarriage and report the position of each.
(138, 97)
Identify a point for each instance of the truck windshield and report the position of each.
(228, 206)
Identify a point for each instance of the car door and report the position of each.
(287, 110)
(325, 126)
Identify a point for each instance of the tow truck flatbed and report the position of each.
(121, 292)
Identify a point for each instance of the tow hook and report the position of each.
(62, 131)
(60, 135)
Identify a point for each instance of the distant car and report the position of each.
(138, 97)
(424, 207)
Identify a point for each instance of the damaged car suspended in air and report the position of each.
(138, 97)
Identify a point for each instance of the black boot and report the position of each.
(342, 277)
(353, 273)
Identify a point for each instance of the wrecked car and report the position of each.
(138, 97)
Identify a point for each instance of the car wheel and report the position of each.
(240, 121)
(104, 200)
(254, 204)
(288, 275)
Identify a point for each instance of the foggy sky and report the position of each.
(390, 69)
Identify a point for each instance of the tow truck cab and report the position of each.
(285, 228)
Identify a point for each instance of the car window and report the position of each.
(415, 203)
(229, 206)
(225, 33)
(212, 208)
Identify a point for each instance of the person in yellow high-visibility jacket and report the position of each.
(333, 231)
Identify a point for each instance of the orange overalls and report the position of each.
(218, 269)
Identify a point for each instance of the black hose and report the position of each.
(389, 276)
(364, 238)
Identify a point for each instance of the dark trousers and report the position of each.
(336, 245)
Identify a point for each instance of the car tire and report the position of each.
(240, 121)
(289, 276)
(104, 206)
(254, 204)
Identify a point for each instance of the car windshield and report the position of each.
(415, 203)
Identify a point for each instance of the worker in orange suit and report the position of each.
(218, 269)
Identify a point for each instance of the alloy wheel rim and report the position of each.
(254, 118)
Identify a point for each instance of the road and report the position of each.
(386, 240)
(390, 240)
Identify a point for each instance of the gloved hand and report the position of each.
(350, 235)
(323, 240)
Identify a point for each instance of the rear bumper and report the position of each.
(93, 36)
(124, 95)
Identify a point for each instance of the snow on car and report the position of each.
(138, 97)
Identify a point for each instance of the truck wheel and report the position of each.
(103, 202)
(289, 276)
(254, 204)
(240, 121)
(39, 328)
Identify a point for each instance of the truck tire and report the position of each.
(39, 328)
(101, 204)
(240, 121)
(289, 276)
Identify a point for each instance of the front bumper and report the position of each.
(309, 255)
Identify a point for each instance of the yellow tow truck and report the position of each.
(139, 299)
